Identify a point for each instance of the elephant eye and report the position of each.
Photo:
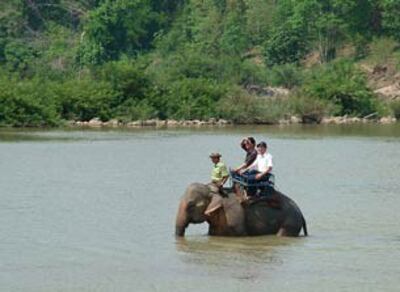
(190, 205)
(200, 204)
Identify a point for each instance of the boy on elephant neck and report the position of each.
(219, 174)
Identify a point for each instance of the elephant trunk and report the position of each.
(181, 220)
(180, 230)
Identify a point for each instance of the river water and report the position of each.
(95, 211)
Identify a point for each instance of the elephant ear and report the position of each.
(215, 204)
(234, 214)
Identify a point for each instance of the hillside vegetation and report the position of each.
(63, 60)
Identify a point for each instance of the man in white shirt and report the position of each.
(263, 163)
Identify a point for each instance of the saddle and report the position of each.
(266, 195)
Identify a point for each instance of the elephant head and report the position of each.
(199, 204)
(192, 207)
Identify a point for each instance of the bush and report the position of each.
(191, 98)
(26, 103)
(243, 108)
(382, 50)
(84, 99)
(131, 111)
(127, 77)
(395, 106)
(286, 75)
(310, 109)
(342, 84)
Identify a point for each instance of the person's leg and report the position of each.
(251, 181)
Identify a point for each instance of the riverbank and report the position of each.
(170, 123)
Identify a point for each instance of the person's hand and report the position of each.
(259, 176)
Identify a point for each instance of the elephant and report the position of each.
(226, 216)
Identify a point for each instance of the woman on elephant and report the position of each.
(249, 145)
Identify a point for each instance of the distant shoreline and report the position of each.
(170, 123)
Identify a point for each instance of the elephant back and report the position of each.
(269, 214)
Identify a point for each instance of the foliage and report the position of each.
(343, 85)
(286, 75)
(18, 57)
(192, 98)
(381, 50)
(311, 109)
(286, 45)
(26, 104)
(139, 59)
(395, 106)
(391, 17)
(84, 99)
(243, 108)
(115, 27)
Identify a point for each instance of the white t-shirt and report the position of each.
(262, 162)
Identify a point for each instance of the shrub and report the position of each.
(381, 50)
(343, 85)
(84, 99)
(126, 77)
(192, 98)
(26, 103)
(395, 106)
(310, 109)
(132, 110)
(243, 108)
(286, 75)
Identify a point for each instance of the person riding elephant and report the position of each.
(219, 173)
(227, 217)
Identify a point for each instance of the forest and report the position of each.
(65, 60)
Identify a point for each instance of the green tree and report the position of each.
(287, 44)
(234, 38)
(116, 27)
(391, 17)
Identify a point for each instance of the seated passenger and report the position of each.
(257, 172)
(248, 144)
(262, 166)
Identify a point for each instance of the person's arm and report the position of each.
(252, 165)
(222, 181)
(237, 170)
(262, 174)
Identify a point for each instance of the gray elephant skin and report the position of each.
(227, 217)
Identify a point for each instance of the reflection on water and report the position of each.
(248, 255)
(95, 210)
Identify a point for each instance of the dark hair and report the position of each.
(262, 144)
(251, 140)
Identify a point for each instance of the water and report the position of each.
(95, 211)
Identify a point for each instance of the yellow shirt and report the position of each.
(219, 172)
